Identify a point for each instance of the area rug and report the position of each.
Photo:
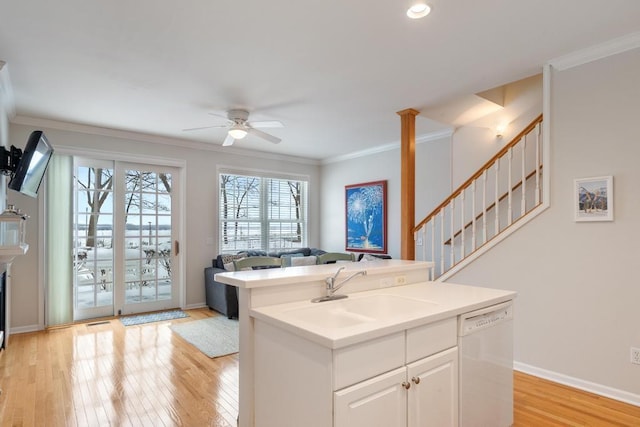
(152, 317)
(214, 336)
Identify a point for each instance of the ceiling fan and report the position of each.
(239, 127)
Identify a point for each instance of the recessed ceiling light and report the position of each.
(418, 10)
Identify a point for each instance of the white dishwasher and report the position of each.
(485, 342)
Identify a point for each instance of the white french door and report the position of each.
(125, 228)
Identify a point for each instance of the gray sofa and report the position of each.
(224, 298)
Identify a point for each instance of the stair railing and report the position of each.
(501, 192)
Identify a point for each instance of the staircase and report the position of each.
(502, 192)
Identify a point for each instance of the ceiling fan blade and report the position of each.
(204, 127)
(266, 124)
(228, 141)
(263, 135)
(219, 115)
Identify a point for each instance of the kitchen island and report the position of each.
(318, 364)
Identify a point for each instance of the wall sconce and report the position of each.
(500, 129)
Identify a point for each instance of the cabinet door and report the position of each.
(433, 397)
(378, 402)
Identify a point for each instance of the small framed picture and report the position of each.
(593, 199)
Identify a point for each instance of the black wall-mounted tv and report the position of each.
(32, 165)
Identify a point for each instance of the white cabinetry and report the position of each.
(380, 401)
(407, 378)
(422, 394)
(433, 396)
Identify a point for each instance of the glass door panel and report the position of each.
(123, 237)
(93, 239)
(148, 201)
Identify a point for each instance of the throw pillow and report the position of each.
(229, 258)
(305, 260)
(287, 259)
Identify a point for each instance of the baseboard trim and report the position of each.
(25, 329)
(195, 306)
(599, 389)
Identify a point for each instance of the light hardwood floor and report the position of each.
(109, 374)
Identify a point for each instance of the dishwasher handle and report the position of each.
(487, 317)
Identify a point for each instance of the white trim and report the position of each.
(599, 389)
(41, 260)
(262, 173)
(599, 51)
(547, 73)
(493, 242)
(195, 306)
(156, 139)
(120, 157)
(7, 89)
(432, 136)
(182, 237)
(27, 328)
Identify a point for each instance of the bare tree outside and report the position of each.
(97, 186)
(235, 192)
(260, 213)
(295, 187)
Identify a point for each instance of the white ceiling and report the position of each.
(334, 72)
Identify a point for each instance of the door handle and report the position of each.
(176, 245)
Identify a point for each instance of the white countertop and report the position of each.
(445, 300)
(292, 275)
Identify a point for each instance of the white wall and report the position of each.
(4, 123)
(442, 165)
(578, 305)
(201, 208)
(475, 143)
(432, 164)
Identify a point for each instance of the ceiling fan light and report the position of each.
(237, 132)
(418, 10)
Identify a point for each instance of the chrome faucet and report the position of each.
(332, 287)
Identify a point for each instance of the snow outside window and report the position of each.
(262, 213)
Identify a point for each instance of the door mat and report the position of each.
(152, 317)
(214, 336)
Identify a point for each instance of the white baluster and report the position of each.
(453, 216)
(484, 207)
(539, 129)
(423, 230)
(442, 240)
(497, 199)
(433, 246)
(473, 216)
(462, 233)
(523, 201)
(509, 192)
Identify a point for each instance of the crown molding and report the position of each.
(432, 136)
(155, 139)
(6, 91)
(599, 51)
(196, 145)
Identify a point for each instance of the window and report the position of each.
(262, 213)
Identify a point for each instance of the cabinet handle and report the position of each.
(406, 385)
(416, 380)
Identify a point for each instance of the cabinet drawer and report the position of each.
(358, 362)
(426, 340)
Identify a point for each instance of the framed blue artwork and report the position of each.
(366, 217)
